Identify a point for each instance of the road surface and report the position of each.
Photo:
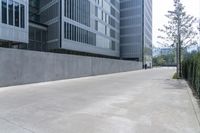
(133, 102)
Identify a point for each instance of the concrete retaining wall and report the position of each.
(23, 67)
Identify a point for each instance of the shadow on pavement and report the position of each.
(174, 84)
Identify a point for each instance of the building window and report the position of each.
(77, 34)
(65, 8)
(65, 28)
(16, 14)
(113, 45)
(10, 12)
(13, 13)
(78, 10)
(68, 31)
(106, 18)
(102, 15)
(4, 11)
(96, 25)
(105, 30)
(22, 12)
(112, 33)
(96, 11)
(37, 39)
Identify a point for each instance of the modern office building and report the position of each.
(90, 27)
(80, 26)
(87, 26)
(136, 30)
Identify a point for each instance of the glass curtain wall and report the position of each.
(34, 10)
(13, 13)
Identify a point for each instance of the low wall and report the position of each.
(23, 67)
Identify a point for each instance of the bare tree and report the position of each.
(179, 32)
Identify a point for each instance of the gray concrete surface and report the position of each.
(132, 102)
(22, 67)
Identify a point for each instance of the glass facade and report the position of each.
(10, 11)
(13, 13)
(37, 39)
(148, 32)
(22, 14)
(75, 33)
(4, 11)
(103, 23)
(34, 10)
(100, 24)
(136, 29)
(37, 30)
(16, 5)
(78, 10)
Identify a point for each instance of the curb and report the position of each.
(195, 104)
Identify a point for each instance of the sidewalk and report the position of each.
(147, 101)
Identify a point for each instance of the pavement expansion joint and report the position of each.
(12, 123)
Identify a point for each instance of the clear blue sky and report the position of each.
(160, 8)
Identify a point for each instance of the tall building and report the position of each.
(90, 26)
(136, 30)
(86, 27)
(79, 26)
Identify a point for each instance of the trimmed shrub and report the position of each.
(191, 71)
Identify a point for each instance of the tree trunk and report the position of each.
(179, 48)
(180, 63)
(177, 60)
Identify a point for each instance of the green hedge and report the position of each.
(191, 71)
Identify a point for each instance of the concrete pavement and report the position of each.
(133, 102)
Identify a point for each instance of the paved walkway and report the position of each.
(134, 102)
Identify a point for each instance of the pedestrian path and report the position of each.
(146, 101)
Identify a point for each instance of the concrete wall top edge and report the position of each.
(56, 54)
